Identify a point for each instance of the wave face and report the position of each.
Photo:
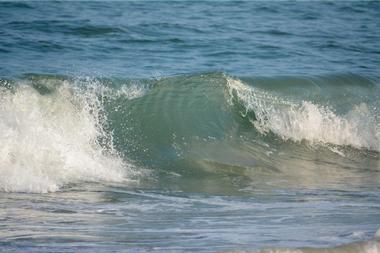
(58, 131)
(218, 127)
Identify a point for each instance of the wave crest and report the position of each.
(50, 140)
(305, 120)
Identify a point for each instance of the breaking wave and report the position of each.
(54, 138)
(57, 131)
(305, 120)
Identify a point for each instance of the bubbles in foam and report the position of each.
(132, 91)
(305, 120)
(54, 139)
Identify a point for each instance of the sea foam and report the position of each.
(54, 139)
(307, 120)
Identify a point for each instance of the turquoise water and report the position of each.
(189, 126)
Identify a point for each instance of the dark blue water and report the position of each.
(160, 38)
(189, 126)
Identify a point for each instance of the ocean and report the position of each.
(190, 126)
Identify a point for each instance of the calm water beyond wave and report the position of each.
(189, 126)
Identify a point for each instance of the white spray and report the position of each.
(48, 141)
(305, 120)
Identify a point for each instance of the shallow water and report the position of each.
(227, 127)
